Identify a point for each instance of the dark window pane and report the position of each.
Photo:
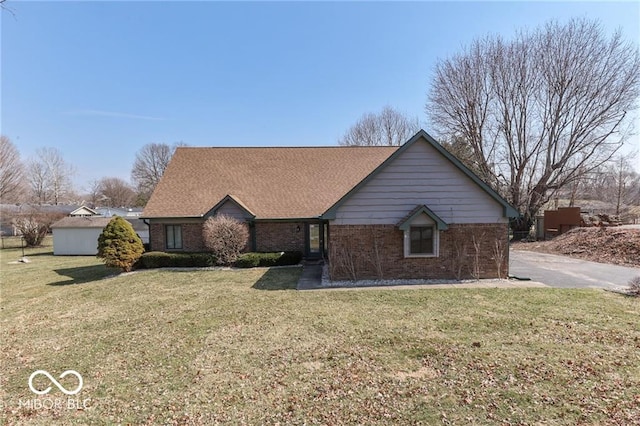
(174, 236)
(421, 240)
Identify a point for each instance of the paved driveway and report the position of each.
(568, 272)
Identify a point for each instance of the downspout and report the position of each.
(508, 249)
(252, 234)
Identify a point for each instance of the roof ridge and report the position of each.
(287, 147)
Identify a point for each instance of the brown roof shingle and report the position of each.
(273, 183)
(82, 222)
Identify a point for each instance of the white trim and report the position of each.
(422, 220)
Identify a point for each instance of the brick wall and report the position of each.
(270, 236)
(280, 236)
(191, 236)
(377, 251)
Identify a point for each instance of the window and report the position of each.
(421, 240)
(421, 229)
(174, 237)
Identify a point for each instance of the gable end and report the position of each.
(405, 223)
(237, 206)
(508, 209)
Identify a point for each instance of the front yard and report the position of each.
(242, 347)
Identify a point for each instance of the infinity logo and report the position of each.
(55, 382)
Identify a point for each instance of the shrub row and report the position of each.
(159, 259)
(252, 260)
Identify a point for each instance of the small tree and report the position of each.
(225, 238)
(118, 245)
(34, 224)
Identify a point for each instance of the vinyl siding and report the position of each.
(76, 241)
(420, 175)
(231, 209)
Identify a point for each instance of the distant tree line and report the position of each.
(47, 178)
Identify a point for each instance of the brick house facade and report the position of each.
(406, 212)
(264, 236)
(377, 252)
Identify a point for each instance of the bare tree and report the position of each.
(388, 128)
(38, 180)
(149, 166)
(49, 176)
(541, 110)
(12, 183)
(115, 192)
(623, 184)
(94, 193)
(34, 224)
(3, 6)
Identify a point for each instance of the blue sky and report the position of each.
(99, 80)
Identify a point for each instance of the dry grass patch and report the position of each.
(207, 347)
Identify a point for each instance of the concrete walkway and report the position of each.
(311, 277)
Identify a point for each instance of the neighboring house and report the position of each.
(78, 233)
(84, 211)
(413, 211)
(118, 211)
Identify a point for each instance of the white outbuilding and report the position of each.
(77, 235)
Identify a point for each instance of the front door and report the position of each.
(316, 239)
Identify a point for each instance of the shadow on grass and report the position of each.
(27, 253)
(278, 279)
(83, 274)
(40, 253)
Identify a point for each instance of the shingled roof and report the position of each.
(272, 183)
(81, 222)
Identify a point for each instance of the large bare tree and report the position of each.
(113, 192)
(149, 166)
(540, 110)
(49, 176)
(387, 128)
(12, 182)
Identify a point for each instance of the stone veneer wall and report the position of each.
(377, 252)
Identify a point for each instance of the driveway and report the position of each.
(568, 272)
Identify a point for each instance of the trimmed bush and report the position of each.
(252, 260)
(248, 260)
(119, 245)
(159, 259)
(290, 258)
(225, 237)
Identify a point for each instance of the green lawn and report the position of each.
(242, 347)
